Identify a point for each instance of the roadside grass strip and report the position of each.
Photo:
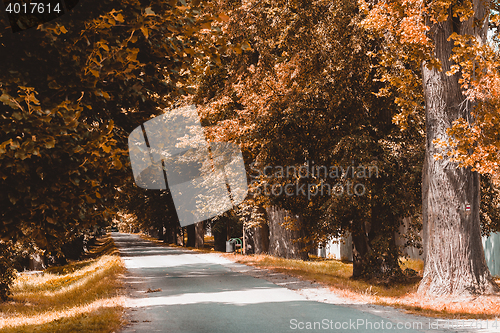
(333, 273)
(336, 275)
(83, 296)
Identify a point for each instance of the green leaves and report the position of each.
(70, 93)
(57, 146)
(8, 100)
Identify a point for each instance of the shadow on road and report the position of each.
(202, 292)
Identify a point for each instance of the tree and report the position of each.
(103, 91)
(449, 39)
(7, 273)
(297, 90)
(71, 91)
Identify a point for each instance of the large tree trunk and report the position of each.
(284, 242)
(375, 253)
(257, 239)
(454, 256)
(191, 235)
(219, 231)
(179, 236)
(160, 230)
(256, 230)
(199, 234)
(385, 254)
(360, 250)
(169, 236)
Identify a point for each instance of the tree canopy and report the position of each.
(297, 84)
(301, 92)
(71, 91)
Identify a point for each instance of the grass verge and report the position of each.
(333, 273)
(336, 275)
(83, 296)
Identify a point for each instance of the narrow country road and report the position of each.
(193, 292)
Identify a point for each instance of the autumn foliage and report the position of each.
(71, 91)
(294, 83)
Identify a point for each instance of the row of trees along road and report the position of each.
(375, 83)
(288, 82)
(71, 91)
(302, 93)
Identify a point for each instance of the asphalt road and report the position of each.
(206, 293)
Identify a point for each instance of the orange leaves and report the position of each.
(116, 60)
(89, 199)
(472, 142)
(3, 146)
(108, 20)
(106, 149)
(8, 100)
(119, 18)
(29, 96)
(413, 30)
(94, 72)
(381, 17)
(438, 10)
(478, 64)
(223, 17)
(50, 220)
(57, 29)
(132, 54)
(401, 27)
(149, 11)
(463, 10)
(117, 163)
(145, 31)
(102, 93)
(50, 143)
(477, 145)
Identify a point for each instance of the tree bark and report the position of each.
(257, 239)
(454, 256)
(285, 242)
(160, 230)
(191, 235)
(360, 251)
(179, 236)
(219, 231)
(375, 253)
(256, 235)
(199, 234)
